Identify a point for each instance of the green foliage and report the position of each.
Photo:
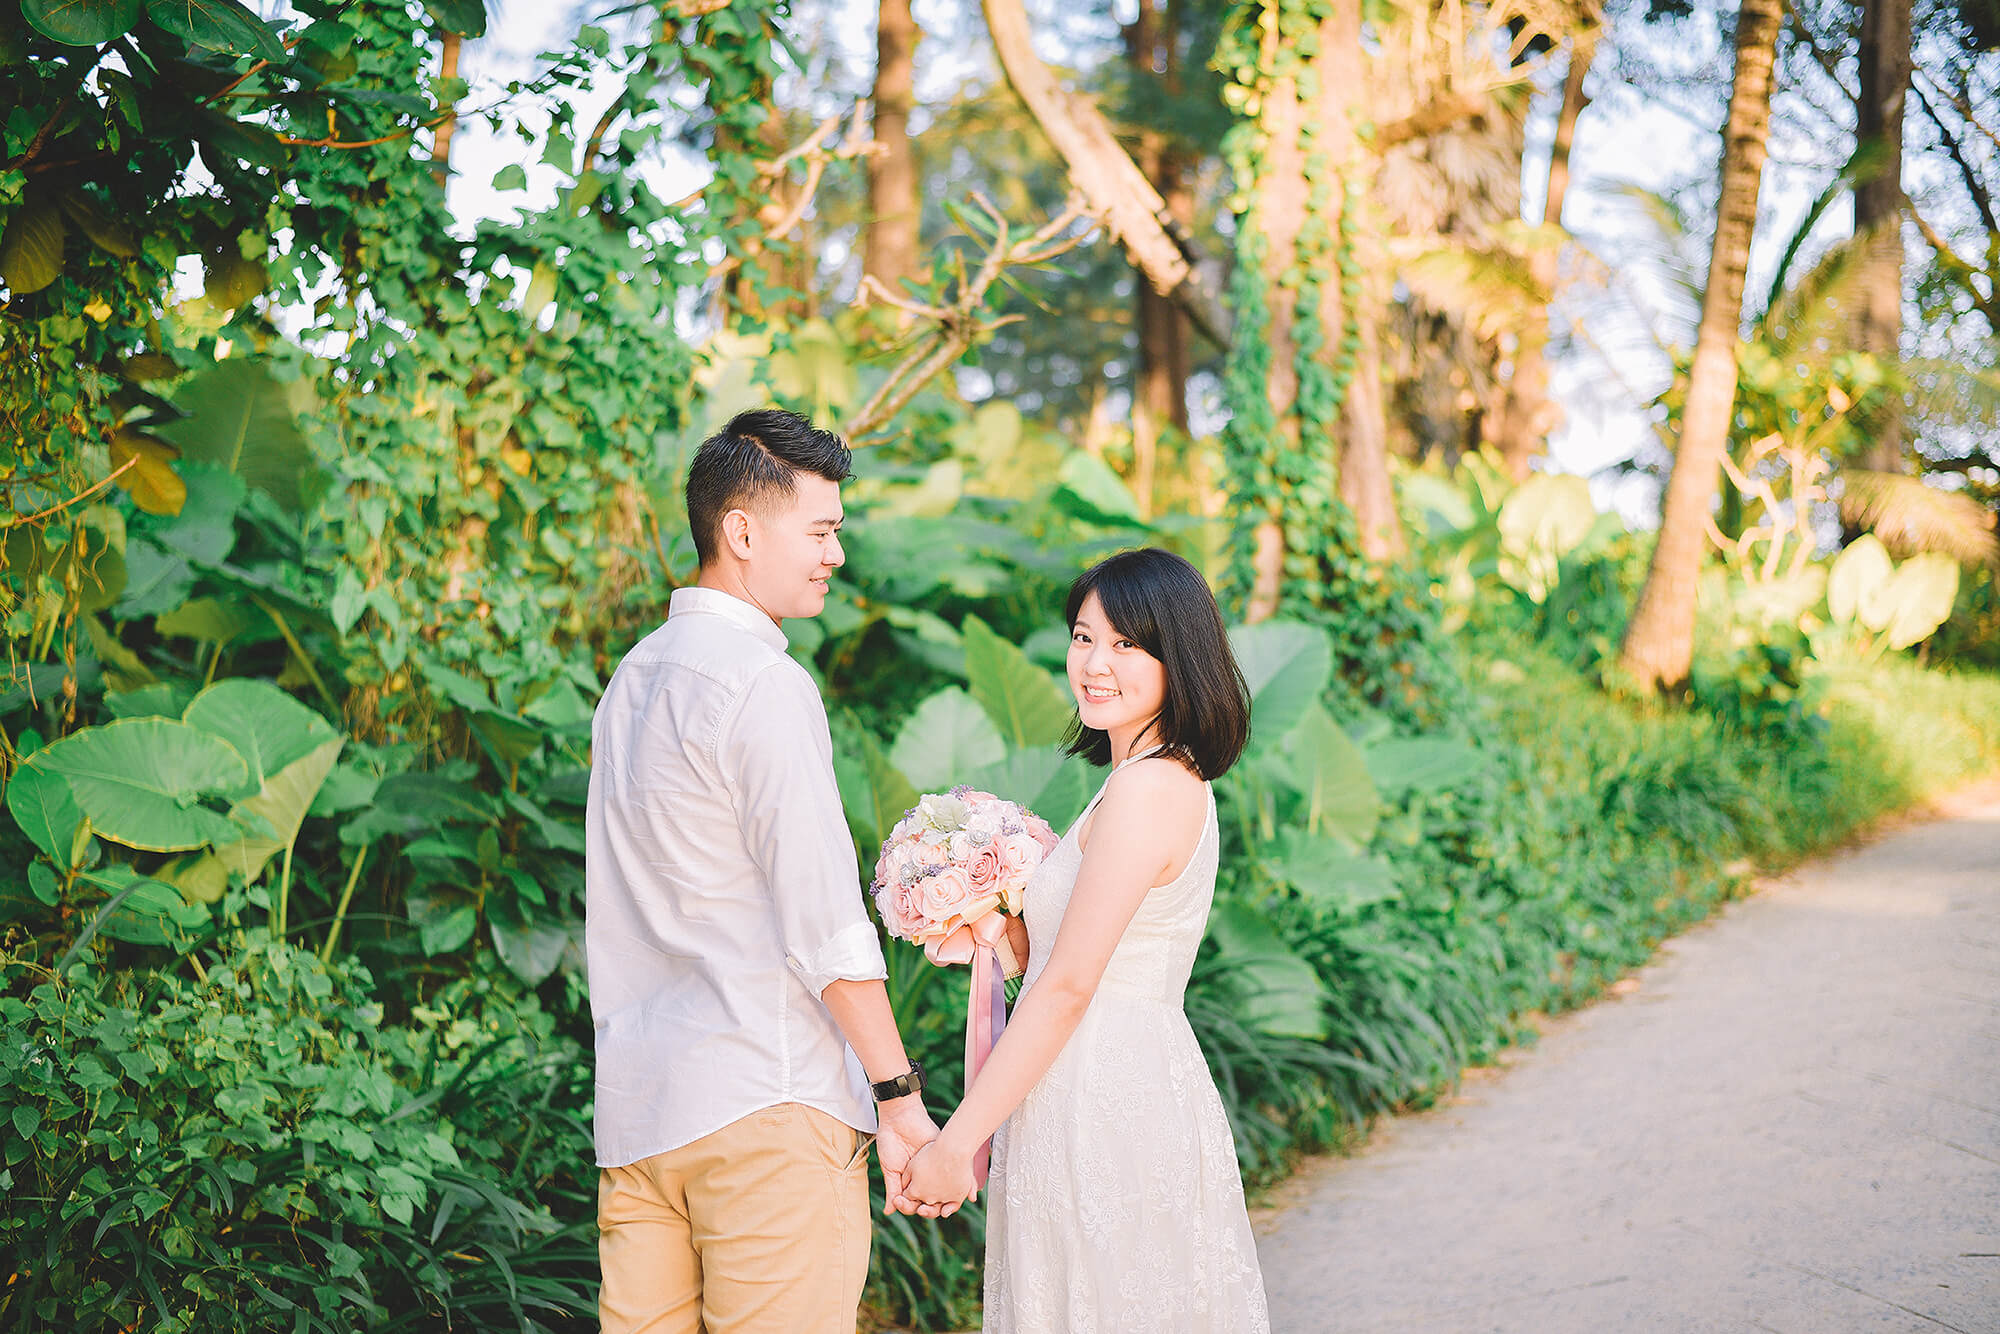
(257, 1150)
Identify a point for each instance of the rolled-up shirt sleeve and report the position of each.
(775, 748)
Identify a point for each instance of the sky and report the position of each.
(1625, 138)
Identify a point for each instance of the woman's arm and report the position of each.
(1122, 861)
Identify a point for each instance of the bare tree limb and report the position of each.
(956, 327)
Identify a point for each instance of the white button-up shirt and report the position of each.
(722, 894)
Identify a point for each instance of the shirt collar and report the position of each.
(730, 608)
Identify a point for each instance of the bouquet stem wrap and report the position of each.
(985, 1011)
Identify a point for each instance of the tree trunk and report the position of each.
(1526, 414)
(448, 125)
(1102, 171)
(1364, 425)
(1364, 454)
(1878, 210)
(1159, 383)
(1659, 644)
(1279, 213)
(890, 251)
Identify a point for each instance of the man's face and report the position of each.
(795, 548)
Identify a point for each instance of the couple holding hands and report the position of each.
(746, 1050)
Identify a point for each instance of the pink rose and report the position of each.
(984, 868)
(945, 894)
(1020, 854)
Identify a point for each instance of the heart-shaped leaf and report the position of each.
(531, 952)
(31, 249)
(1276, 991)
(144, 465)
(1327, 768)
(41, 803)
(267, 727)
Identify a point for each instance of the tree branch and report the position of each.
(1102, 171)
(958, 326)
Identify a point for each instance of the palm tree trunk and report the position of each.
(1878, 209)
(890, 249)
(1659, 643)
(1526, 414)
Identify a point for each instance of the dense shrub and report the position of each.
(254, 1149)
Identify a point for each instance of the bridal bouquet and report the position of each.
(952, 866)
(951, 871)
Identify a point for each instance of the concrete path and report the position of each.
(1790, 1124)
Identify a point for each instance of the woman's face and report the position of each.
(1119, 687)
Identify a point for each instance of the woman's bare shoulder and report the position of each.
(1157, 786)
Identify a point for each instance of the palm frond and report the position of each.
(1813, 319)
(1867, 162)
(1911, 516)
(1492, 290)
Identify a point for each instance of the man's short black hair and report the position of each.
(755, 461)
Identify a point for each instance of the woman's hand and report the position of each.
(941, 1174)
(1017, 942)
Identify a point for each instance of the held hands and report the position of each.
(940, 1177)
(905, 1128)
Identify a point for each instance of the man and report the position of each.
(736, 981)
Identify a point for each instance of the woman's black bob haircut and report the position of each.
(1162, 604)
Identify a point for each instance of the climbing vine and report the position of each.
(1281, 461)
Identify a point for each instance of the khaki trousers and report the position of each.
(760, 1227)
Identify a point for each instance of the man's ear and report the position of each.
(736, 533)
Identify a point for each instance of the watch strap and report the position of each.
(902, 1086)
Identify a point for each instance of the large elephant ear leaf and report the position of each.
(1275, 990)
(1043, 779)
(945, 741)
(1328, 770)
(281, 803)
(1422, 764)
(1286, 664)
(1022, 700)
(242, 419)
(874, 792)
(268, 728)
(138, 781)
(81, 22)
(219, 25)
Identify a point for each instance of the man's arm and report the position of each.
(866, 1021)
(779, 755)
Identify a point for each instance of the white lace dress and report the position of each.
(1115, 1203)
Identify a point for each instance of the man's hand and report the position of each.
(905, 1128)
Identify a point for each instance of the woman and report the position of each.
(1116, 1203)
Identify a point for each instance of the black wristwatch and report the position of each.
(902, 1086)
